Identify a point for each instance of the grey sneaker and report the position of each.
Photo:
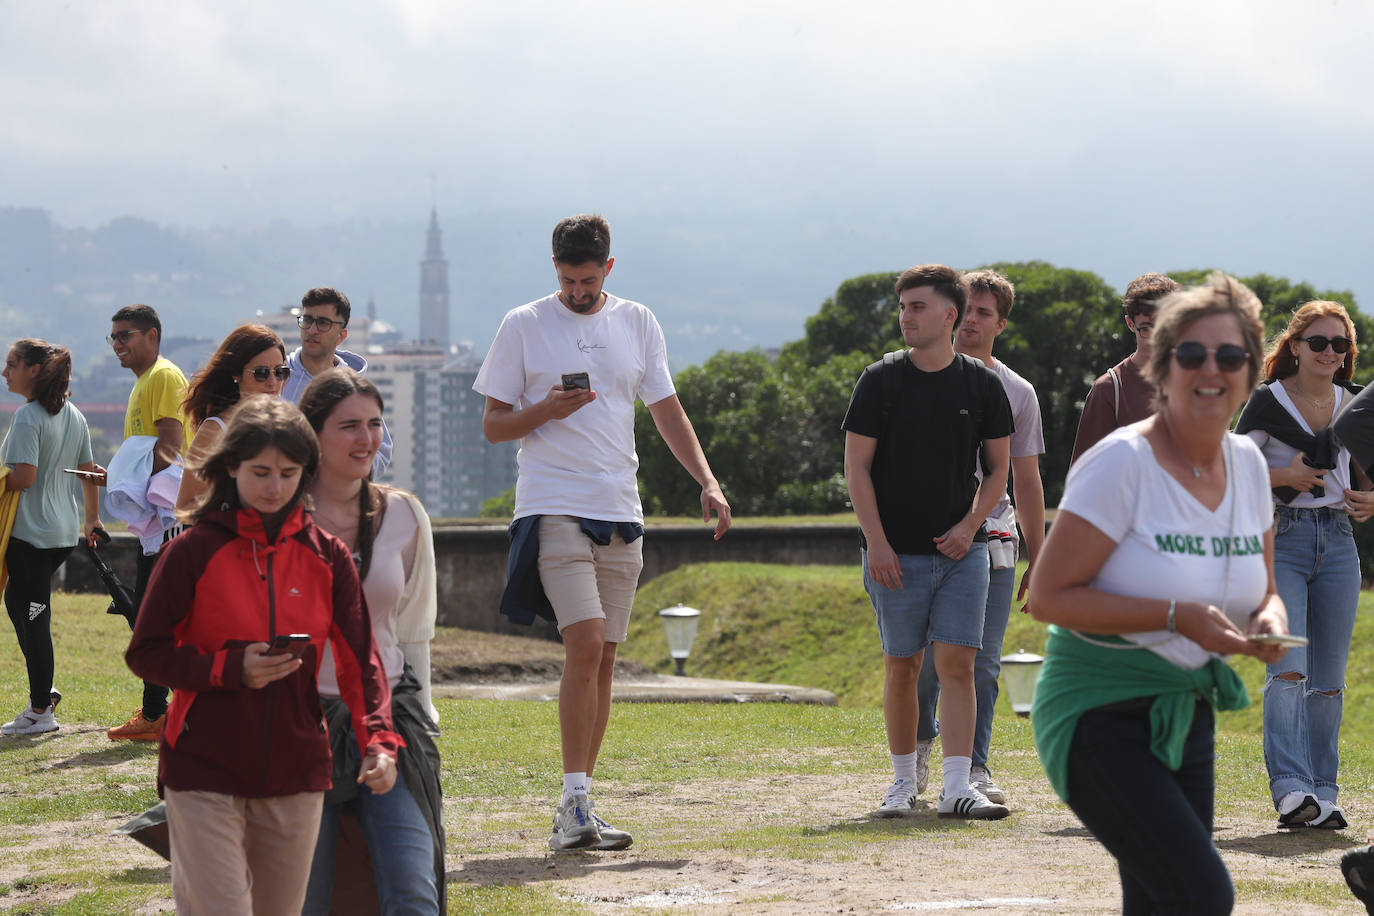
(612, 838)
(971, 805)
(573, 825)
(1330, 816)
(923, 764)
(1297, 808)
(900, 798)
(981, 779)
(29, 722)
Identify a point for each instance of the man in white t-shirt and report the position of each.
(562, 376)
(990, 298)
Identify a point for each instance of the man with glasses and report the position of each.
(154, 410)
(324, 325)
(1121, 396)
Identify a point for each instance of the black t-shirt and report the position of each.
(923, 467)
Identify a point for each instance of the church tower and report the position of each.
(434, 287)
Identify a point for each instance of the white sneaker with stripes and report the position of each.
(971, 804)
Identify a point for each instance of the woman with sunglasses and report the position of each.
(1159, 562)
(1317, 567)
(251, 360)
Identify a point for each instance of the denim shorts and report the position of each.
(941, 600)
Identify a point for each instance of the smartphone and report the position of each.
(1278, 639)
(292, 644)
(576, 380)
(89, 475)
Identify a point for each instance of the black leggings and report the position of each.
(1156, 823)
(28, 598)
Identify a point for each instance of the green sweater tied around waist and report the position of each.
(1079, 676)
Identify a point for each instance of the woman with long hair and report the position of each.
(235, 620)
(388, 532)
(1160, 563)
(1317, 568)
(251, 360)
(47, 436)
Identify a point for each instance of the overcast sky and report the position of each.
(1114, 137)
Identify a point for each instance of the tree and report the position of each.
(860, 318)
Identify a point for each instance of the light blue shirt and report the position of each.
(49, 515)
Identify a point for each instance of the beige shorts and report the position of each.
(585, 581)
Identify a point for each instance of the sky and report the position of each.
(750, 154)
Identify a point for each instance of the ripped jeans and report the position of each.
(1317, 573)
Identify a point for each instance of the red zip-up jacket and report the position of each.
(220, 586)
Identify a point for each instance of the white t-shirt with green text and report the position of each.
(1169, 545)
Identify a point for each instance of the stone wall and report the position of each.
(471, 562)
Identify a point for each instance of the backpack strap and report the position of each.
(892, 383)
(1116, 395)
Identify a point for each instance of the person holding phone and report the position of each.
(388, 532)
(251, 360)
(1291, 418)
(47, 436)
(243, 763)
(1159, 563)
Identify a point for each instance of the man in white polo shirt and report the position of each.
(562, 375)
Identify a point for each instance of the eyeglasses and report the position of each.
(324, 324)
(1319, 343)
(1229, 357)
(260, 373)
(122, 337)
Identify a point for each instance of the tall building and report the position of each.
(434, 288)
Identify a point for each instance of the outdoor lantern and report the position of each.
(1019, 672)
(680, 626)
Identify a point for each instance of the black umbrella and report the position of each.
(121, 601)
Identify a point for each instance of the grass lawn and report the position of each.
(753, 807)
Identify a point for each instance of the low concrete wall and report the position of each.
(471, 563)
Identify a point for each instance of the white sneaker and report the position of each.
(573, 825)
(900, 798)
(923, 764)
(1297, 808)
(29, 722)
(1330, 816)
(981, 779)
(612, 838)
(972, 805)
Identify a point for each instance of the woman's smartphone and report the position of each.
(573, 380)
(1278, 639)
(292, 644)
(89, 475)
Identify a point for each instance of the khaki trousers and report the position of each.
(234, 856)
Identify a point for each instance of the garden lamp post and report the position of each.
(1019, 672)
(680, 626)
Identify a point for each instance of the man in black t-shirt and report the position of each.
(913, 432)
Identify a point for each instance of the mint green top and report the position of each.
(1079, 676)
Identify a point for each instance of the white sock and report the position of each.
(956, 775)
(575, 783)
(904, 766)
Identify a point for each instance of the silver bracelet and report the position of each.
(1173, 624)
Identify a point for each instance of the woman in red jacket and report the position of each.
(245, 759)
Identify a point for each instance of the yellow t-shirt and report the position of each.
(157, 395)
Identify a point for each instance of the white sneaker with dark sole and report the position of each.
(573, 825)
(900, 798)
(923, 764)
(1297, 808)
(1330, 816)
(981, 779)
(29, 722)
(972, 805)
(612, 838)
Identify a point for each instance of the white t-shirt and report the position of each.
(583, 465)
(1281, 454)
(1029, 437)
(1169, 545)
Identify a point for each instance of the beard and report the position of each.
(583, 306)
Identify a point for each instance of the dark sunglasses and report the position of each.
(1318, 343)
(1230, 358)
(260, 373)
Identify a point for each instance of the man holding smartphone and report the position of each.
(562, 375)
